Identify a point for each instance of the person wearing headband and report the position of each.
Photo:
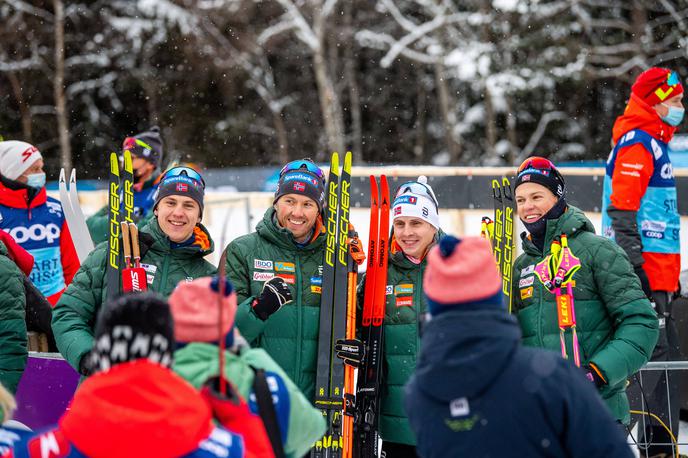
(173, 246)
(280, 263)
(415, 230)
(146, 154)
(640, 213)
(616, 326)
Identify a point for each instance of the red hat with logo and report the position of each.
(656, 85)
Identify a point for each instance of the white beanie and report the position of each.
(417, 199)
(16, 157)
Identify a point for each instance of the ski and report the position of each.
(76, 222)
(127, 187)
(508, 240)
(329, 394)
(498, 222)
(113, 270)
(366, 444)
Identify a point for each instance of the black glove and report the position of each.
(352, 351)
(275, 294)
(85, 367)
(644, 281)
(592, 375)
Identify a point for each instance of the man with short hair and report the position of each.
(640, 212)
(279, 262)
(172, 245)
(146, 153)
(35, 220)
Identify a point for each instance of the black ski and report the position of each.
(113, 270)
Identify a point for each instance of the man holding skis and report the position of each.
(280, 262)
(35, 220)
(640, 212)
(146, 151)
(172, 247)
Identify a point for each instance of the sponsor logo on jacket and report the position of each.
(285, 266)
(523, 282)
(261, 264)
(263, 276)
(35, 232)
(406, 288)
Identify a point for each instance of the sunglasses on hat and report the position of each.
(416, 187)
(538, 165)
(184, 171)
(303, 164)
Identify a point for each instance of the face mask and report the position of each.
(674, 116)
(35, 180)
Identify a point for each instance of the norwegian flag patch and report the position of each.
(299, 186)
(182, 187)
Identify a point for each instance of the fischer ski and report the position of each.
(372, 331)
(501, 233)
(329, 386)
(112, 273)
(76, 222)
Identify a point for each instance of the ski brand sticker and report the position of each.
(459, 407)
(260, 264)
(389, 290)
(150, 272)
(523, 282)
(263, 276)
(316, 289)
(406, 288)
(316, 281)
(526, 293)
(285, 266)
(291, 279)
(404, 301)
(528, 270)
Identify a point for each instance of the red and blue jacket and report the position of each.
(138, 408)
(39, 226)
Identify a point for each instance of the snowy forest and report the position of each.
(252, 82)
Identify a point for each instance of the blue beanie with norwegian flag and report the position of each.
(180, 185)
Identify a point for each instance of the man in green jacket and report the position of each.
(616, 326)
(416, 228)
(281, 263)
(173, 246)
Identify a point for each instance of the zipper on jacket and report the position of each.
(419, 310)
(299, 324)
(163, 279)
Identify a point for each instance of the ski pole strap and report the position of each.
(266, 410)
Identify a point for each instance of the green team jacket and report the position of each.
(289, 336)
(405, 307)
(13, 341)
(75, 314)
(617, 327)
(197, 362)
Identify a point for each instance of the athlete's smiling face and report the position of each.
(297, 214)
(533, 201)
(178, 216)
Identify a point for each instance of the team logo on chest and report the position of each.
(261, 264)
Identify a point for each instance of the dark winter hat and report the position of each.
(543, 172)
(181, 181)
(655, 85)
(461, 272)
(147, 145)
(302, 177)
(131, 327)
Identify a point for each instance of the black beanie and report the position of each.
(179, 185)
(147, 145)
(303, 182)
(543, 172)
(130, 327)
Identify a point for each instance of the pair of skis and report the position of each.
(121, 191)
(76, 222)
(336, 295)
(372, 330)
(501, 233)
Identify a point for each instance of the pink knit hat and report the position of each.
(196, 314)
(460, 271)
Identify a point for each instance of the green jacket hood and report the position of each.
(571, 222)
(271, 232)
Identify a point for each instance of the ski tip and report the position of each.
(128, 164)
(334, 163)
(72, 176)
(347, 161)
(114, 163)
(62, 175)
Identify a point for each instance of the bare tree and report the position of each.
(59, 87)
